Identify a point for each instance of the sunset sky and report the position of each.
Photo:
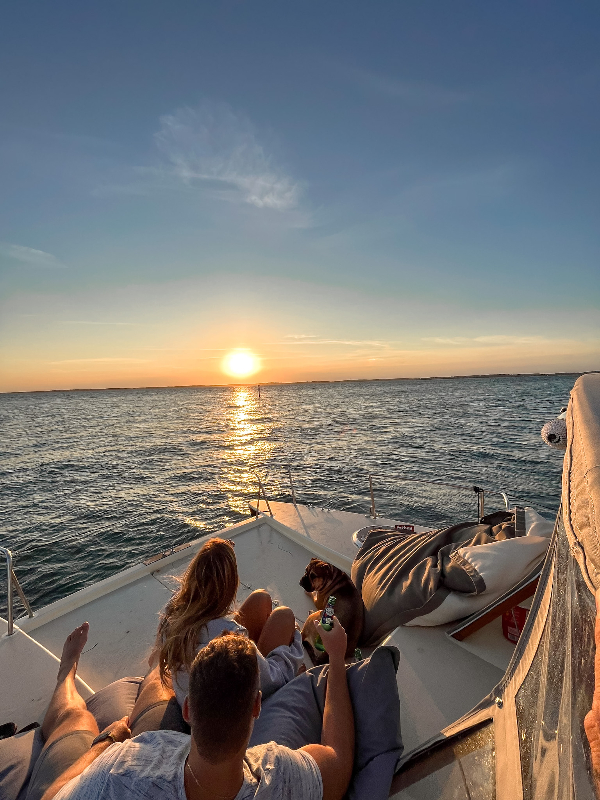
(334, 189)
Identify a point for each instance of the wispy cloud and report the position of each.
(300, 336)
(28, 255)
(214, 145)
(212, 148)
(108, 360)
(415, 92)
(95, 322)
(310, 340)
(500, 339)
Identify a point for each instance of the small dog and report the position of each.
(322, 580)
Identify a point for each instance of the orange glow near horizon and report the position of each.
(240, 364)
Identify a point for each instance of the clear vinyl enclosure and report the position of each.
(551, 699)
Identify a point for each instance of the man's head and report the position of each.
(223, 697)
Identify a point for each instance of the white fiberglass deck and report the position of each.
(438, 679)
(333, 529)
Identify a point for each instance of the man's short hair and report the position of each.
(223, 685)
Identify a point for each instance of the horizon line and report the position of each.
(300, 383)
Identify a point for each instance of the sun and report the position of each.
(240, 363)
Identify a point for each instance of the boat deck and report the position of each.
(439, 679)
(333, 529)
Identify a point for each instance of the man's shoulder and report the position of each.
(136, 755)
(166, 745)
(129, 769)
(281, 771)
(160, 739)
(273, 756)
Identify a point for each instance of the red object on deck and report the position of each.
(513, 622)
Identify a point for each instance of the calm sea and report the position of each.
(94, 481)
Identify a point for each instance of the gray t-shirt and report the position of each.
(151, 767)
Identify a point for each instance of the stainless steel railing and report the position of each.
(261, 490)
(11, 581)
(478, 490)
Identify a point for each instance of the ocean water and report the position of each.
(94, 481)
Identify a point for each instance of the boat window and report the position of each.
(557, 691)
(463, 769)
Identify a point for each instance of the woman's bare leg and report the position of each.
(267, 627)
(254, 613)
(67, 710)
(277, 630)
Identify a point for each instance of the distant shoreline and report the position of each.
(304, 383)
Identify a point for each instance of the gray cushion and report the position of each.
(293, 716)
(114, 701)
(404, 576)
(18, 755)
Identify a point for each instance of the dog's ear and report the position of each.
(305, 580)
(314, 569)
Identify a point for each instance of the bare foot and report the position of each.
(72, 648)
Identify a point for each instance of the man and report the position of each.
(214, 763)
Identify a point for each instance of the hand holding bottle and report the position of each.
(334, 641)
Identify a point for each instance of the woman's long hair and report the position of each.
(207, 592)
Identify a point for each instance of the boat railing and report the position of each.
(262, 491)
(373, 484)
(12, 582)
(478, 490)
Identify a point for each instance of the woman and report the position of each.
(203, 609)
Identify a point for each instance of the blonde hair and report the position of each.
(208, 589)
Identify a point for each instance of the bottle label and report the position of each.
(327, 614)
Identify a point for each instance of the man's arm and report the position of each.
(335, 754)
(119, 731)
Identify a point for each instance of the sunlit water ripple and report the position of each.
(95, 481)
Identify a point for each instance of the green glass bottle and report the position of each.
(326, 621)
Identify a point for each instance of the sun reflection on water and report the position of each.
(247, 446)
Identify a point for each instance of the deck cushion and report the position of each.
(18, 755)
(406, 578)
(114, 701)
(293, 717)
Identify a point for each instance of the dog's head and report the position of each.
(318, 575)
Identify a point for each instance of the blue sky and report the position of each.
(346, 189)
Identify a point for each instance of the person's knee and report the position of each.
(261, 594)
(284, 614)
(285, 620)
(262, 599)
(72, 719)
